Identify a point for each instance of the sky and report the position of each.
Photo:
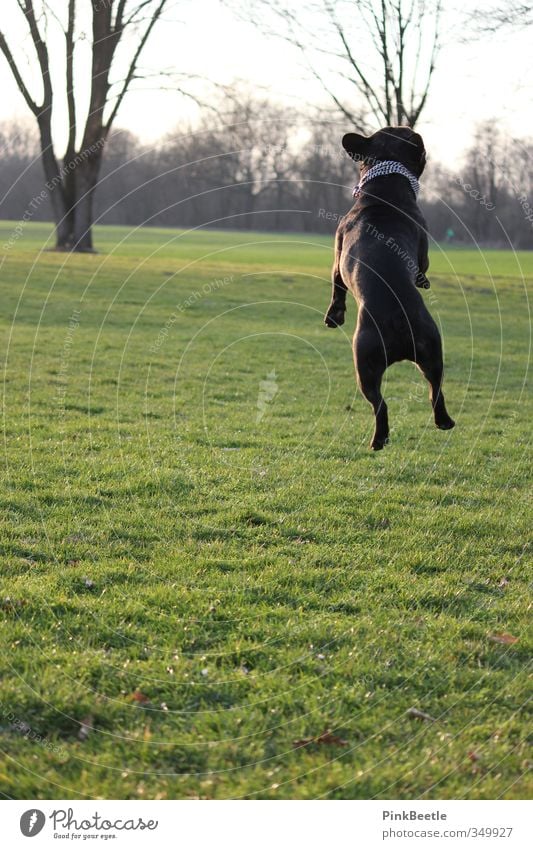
(476, 79)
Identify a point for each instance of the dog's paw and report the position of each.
(334, 318)
(421, 281)
(445, 423)
(378, 444)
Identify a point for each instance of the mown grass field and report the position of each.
(204, 565)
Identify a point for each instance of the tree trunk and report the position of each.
(71, 196)
(64, 232)
(63, 215)
(65, 227)
(86, 178)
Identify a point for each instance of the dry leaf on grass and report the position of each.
(325, 739)
(503, 583)
(140, 698)
(414, 713)
(477, 763)
(505, 639)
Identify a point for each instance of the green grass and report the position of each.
(258, 582)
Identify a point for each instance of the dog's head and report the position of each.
(398, 144)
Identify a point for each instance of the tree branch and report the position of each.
(4, 47)
(133, 65)
(366, 89)
(71, 103)
(42, 53)
(417, 111)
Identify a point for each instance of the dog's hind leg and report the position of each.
(370, 365)
(335, 314)
(433, 372)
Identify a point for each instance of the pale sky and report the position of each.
(483, 79)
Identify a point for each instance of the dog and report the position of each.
(381, 257)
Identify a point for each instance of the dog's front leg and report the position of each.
(421, 280)
(335, 314)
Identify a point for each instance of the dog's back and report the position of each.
(379, 262)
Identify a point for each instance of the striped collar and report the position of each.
(387, 167)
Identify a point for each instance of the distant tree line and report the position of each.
(256, 170)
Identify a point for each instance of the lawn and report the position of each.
(211, 588)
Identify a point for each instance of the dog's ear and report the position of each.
(357, 146)
(421, 153)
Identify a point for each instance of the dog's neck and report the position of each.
(380, 169)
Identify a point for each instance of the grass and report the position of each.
(200, 583)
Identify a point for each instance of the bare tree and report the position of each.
(380, 53)
(72, 182)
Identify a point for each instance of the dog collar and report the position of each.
(387, 167)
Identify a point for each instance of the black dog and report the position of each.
(381, 256)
